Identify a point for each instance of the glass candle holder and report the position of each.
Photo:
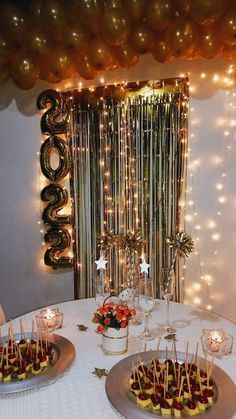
(216, 342)
(49, 318)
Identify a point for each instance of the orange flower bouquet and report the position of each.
(112, 315)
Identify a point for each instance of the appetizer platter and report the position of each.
(28, 360)
(151, 384)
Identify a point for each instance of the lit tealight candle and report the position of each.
(215, 340)
(50, 319)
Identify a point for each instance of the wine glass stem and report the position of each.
(168, 312)
(146, 328)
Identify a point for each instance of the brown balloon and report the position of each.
(115, 27)
(24, 71)
(210, 43)
(142, 38)
(89, 12)
(135, 9)
(161, 50)
(182, 36)
(60, 63)
(126, 56)
(6, 49)
(60, 239)
(228, 27)
(76, 38)
(182, 7)
(207, 12)
(53, 19)
(100, 55)
(84, 68)
(159, 13)
(13, 23)
(4, 73)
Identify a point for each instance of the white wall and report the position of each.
(25, 283)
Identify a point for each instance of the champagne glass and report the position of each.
(167, 284)
(146, 303)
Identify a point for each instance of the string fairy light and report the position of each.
(207, 278)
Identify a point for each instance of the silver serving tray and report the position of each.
(63, 356)
(119, 394)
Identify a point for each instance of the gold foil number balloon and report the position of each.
(58, 198)
(60, 239)
(58, 145)
(48, 123)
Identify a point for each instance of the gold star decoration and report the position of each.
(100, 372)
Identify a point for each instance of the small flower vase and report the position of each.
(114, 341)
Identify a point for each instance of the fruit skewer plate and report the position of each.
(62, 354)
(120, 394)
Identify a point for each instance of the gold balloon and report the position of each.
(57, 198)
(229, 51)
(53, 19)
(57, 144)
(135, 9)
(24, 71)
(161, 50)
(60, 63)
(115, 27)
(47, 75)
(76, 38)
(60, 239)
(142, 38)
(53, 121)
(159, 13)
(6, 49)
(182, 6)
(207, 12)
(210, 43)
(4, 73)
(84, 68)
(13, 23)
(125, 56)
(182, 36)
(228, 27)
(89, 12)
(37, 44)
(34, 13)
(100, 54)
(112, 4)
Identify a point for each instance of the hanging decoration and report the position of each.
(129, 150)
(57, 235)
(55, 39)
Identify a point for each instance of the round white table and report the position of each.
(78, 394)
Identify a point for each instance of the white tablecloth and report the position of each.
(78, 394)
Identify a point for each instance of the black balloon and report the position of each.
(48, 123)
(58, 198)
(60, 239)
(58, 144)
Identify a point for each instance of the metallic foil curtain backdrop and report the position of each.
(128, 161)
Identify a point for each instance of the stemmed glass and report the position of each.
(146, 303)
(128, 296)
(167, 284)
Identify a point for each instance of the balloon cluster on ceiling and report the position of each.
(53, 39)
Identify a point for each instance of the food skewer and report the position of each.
(196, 353)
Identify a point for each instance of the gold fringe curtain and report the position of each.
(128, 175)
